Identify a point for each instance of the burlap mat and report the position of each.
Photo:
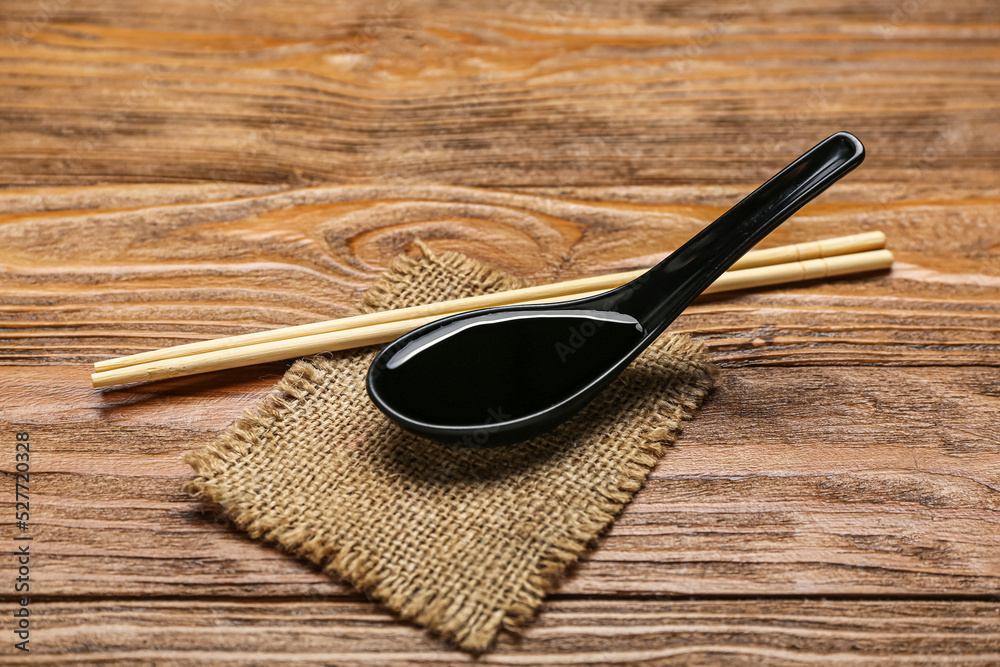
(464, 542)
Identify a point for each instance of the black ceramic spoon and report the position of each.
(499, 375)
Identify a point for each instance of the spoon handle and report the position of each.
(657, 297)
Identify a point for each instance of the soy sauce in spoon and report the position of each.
(500, 375)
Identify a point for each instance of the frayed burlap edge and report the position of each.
(677, 407)
(303, 379)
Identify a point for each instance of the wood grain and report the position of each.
(517, 94)
(323, 631)
(880, 495)
(238, 265)
(181, 171)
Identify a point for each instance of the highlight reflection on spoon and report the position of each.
(499, 375)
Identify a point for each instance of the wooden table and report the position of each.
(174, 171)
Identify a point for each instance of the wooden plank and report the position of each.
(321, 630)
(551, 94)
(193, 169)
(790, 481)
(158, 274)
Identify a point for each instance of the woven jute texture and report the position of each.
(462, 541)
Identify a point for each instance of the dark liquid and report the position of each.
(504, 366)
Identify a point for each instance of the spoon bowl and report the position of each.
(500, 375)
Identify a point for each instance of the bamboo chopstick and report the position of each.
(385, 331)
(755, 258)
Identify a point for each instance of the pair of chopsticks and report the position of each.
(758, 268)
